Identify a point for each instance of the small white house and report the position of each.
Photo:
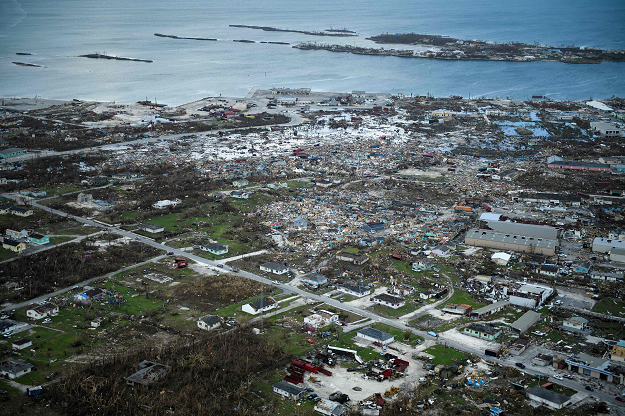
(20, 344)
(354, 290)
(13, 368)
(274, 268)
(394, 302)
(260, 305)
(43, 310)
(288, 391)
(375, 335)
(209, 322)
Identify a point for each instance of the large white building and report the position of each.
(529, 296)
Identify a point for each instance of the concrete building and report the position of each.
(487, 332)
(547, 397)
(595, 167)
(618, 255)
(42, 311)
(209, 322)
(529, 296)
(606, 245)
(608, 276)
(330, 408)
(501, 258)
(151, 228)
(20, 344)
(375, 335)
(490, 309)
(354, 290)
(288, 391)
(525, 322)
(394, 302)
(548, 270)
(321, 319)
(274, 268)
(605, 129)
(314, 279)
(519, 346)
(457, 309)
(542, 360)
(10, 152)
(527, 230)
(352, 258)
(519, 243)
(13, 368)
(216, 248)
(258, 306)
(575, 324)
(594, 367)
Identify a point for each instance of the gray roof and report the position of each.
(375, 333)
(485, 329)
(217, 246)
(525, 321)
(288, 387)
(14, 366)
(531, 230)
(262, 303)
(356, 288)
(389, 298)
(548, 395)
(490, 307)
(274, 266)
(315, 277)
(488, 235)
(210, 320)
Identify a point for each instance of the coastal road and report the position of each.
(217, 266)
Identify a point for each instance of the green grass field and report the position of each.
(461, 297)
(615, 306)
(394, 313)
(445, 355)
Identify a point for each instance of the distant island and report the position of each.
(331, 32)
(182, 37)
(23, 53)
(27, 64)
(475, 50)
(117, 58)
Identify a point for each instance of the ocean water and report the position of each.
(56, 31)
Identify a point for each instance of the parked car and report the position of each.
(520, 365)
(589, 388)
(620, 399)
(558, 377)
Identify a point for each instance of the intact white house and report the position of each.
(208, 322)
(260, 305)
(288, 391)
(274, 268)
(391, 301)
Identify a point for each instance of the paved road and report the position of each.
(287, 288)
(296, 120)
(81, 284)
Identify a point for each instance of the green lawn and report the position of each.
(352, 250)
(461, 297)
(136, 302)
(60, 189)
(394, 313)
(254, 201)
(6, 254)
(445, 355)
(59, 240)
(615, 306)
